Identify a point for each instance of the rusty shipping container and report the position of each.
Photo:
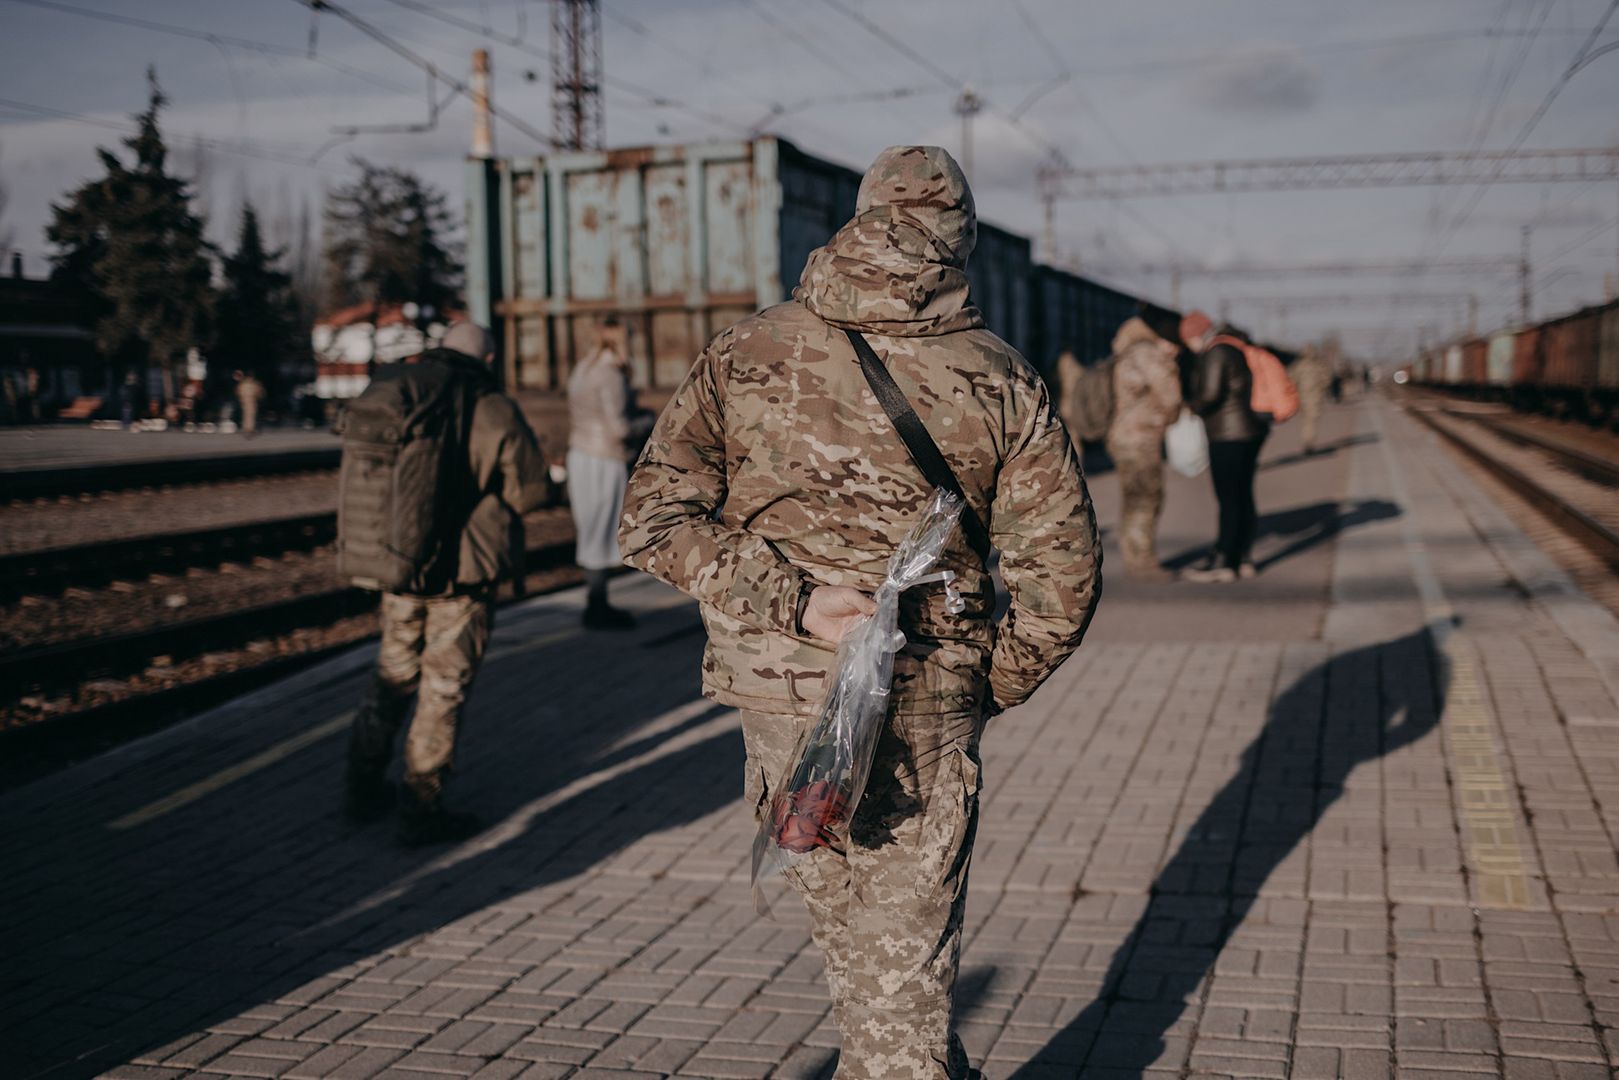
(1526, 358)
(681, 241)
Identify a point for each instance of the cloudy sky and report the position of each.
(259, 86)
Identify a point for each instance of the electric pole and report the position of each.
(967, 106)
(483, 130)
(577, 120)
(1523, 278)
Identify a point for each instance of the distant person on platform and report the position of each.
(459, 506)
(1146, 400)
(1221, 393)
(1313, 374)
(605, 433)
(249, 392)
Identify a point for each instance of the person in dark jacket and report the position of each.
(433, 644)
(1220, 392)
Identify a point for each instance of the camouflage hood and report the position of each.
(899, 266)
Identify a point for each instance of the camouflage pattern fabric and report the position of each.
(431, 648)
(887, 911)
(1146, 387)
(1312, 375)
(773, 466)
(1147, 399)
(1141, 483)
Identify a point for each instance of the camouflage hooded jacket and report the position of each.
(774, 466)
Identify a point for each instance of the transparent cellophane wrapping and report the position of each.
(812, 805)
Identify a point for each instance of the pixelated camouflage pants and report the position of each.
(1141, 479)
(1310, 412)
(887, 912)
(431, 648)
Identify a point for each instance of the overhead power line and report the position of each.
(1342, 171)
(221, 40)
(221, 145)
(434, 74)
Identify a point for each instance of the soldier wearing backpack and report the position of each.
(438, 469)
(1146, 394)
(1239, 389)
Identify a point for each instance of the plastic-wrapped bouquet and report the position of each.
(814, 803)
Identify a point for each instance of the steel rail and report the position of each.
(1601, 540)
(50, 570)
(82, 479)
(1589, 465)
(51, 667)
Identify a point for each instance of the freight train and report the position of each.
(681, 241)
(1567, 366)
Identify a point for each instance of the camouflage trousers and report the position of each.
(1310, 413)
(431, 648)
(887, 911)
(1141, 479)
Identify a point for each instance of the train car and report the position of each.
(681, 241)
(1450, 372)
(1475, 355)
(1608, 352)
(1075, 314)
(1498, 360)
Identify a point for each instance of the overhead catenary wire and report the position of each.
(222, 40)
(432, 69)
(221, 145)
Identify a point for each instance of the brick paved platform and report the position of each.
(1353, 819)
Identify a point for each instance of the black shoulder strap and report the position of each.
(924, 451)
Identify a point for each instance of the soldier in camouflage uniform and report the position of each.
(774, 490)
(1312, 375)
(432, 644)
(1146, 400)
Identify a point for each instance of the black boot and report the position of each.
(599, 614)
(367, 795)
(425, 820)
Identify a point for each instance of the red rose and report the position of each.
(810, 817)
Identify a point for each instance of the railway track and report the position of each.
(51, 570)
(1574, 458)
(84, 479)
(1599, 536)
(54, 667)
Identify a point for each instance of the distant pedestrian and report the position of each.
(605, 430)
(249, 392)
(776, 488)
(1146, 400)
(1221, 393)
(438, 469)
(129, 398)
(1313, 375)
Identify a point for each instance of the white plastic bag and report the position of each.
(812, 805)
(1186, 444)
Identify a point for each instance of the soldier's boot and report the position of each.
(425, 820)
(367, 794)
(599, 614)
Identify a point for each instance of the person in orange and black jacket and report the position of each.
(1221, 393)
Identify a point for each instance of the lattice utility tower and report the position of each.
(577, 118)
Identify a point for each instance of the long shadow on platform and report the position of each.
(1305, 526)
(254, 893)
(1353, 709)
(1323, 451)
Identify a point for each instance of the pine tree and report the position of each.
(258, 326)
(389, 239)
(132, 241)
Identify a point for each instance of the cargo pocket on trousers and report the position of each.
(801, 871)
(950, 825)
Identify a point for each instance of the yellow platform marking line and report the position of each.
(1489, 824)
(229, 775)
(289, 746)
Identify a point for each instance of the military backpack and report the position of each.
(1090, 405)
(405, 488)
